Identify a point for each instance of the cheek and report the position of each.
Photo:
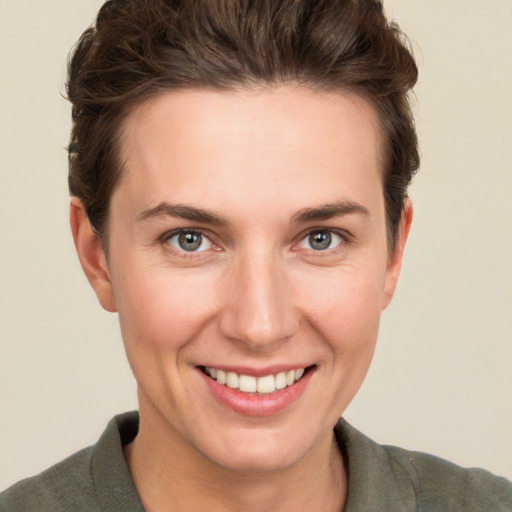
(347, 302)
(160, 309)
(345, 311)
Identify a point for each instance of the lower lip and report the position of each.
(258, 405)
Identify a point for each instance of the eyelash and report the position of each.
(343, 236)
(332, 233)
(166, 238)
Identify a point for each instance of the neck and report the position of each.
(170, 474)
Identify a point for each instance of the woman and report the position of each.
(239, 174)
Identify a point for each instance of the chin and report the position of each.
(262, 451)
(257, 461)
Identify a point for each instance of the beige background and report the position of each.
(441, 379)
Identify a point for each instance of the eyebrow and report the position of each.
(323, 212)
(183, 212)
(329, 211)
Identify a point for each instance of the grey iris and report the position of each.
(190, 241)
(320, 240)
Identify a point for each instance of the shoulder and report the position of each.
(94, 479)
(413, 481)
(66, 486)
(442, 485)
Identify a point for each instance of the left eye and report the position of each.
(321, 240)
(189, 241)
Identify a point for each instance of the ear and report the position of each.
(91, 255)
(394, 263)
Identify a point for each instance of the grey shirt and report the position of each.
(381, 479)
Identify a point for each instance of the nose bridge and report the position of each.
(259, 308)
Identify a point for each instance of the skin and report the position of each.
(256, 294)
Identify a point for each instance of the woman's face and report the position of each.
(248, 240)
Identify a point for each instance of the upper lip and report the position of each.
(258, 372)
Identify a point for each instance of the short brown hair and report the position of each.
(140, 48)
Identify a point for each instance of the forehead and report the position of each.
(251, 147)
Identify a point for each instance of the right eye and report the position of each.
(189, 241)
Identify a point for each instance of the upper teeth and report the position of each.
(250, 384)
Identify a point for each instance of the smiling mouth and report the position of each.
(256, 385)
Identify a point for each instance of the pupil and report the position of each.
(320, 241)
(190, 241)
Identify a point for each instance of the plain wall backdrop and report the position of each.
(441, 380)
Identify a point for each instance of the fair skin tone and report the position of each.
(246, 236)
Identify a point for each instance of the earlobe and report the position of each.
(91, 255)
(394, 263)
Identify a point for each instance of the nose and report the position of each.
(258, 304)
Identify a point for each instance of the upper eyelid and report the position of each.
(173, 232)
(343, 233)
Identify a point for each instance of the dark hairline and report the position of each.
(255, 87)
